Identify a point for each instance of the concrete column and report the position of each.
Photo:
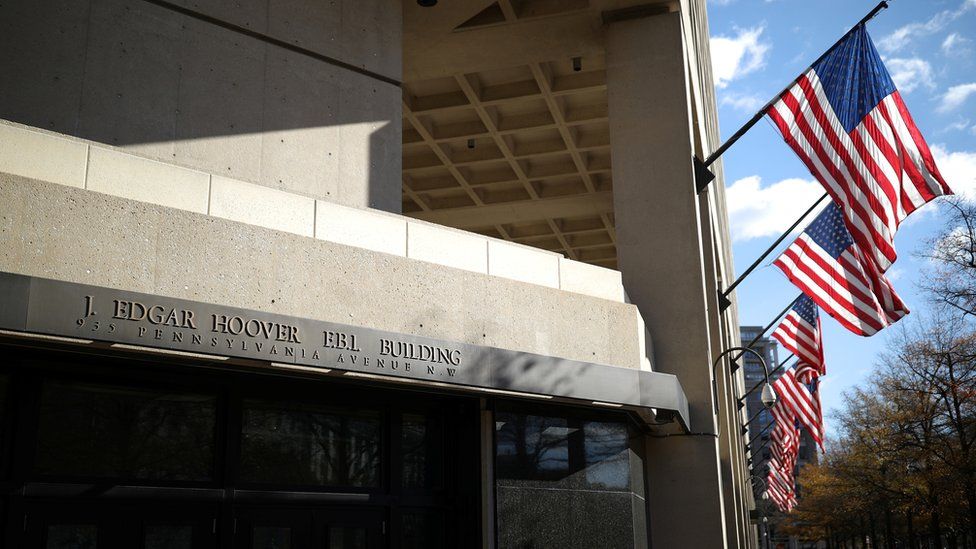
(662, 257)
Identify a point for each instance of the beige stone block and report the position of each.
(523, 263)
(258, 205)
(120, 174)
(361, 228)
(583, 278)
(448, 247)
(164, 251)
(40, 156)
(60, 240)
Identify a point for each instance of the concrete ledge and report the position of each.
(522, 263)
(69, 234)
(262, 206)
(448, 247)
(39, 154)
(145, 180)
(361, 228)
(593, 280)
(42, 156)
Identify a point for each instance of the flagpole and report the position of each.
(763, 332)
(723, 296)
(782, 365)
(761, 431)
(702, 174)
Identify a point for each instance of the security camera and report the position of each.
(768, 396)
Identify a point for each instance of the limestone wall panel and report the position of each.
(75, 235)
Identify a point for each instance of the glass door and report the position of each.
(304, 528)
(131, 525)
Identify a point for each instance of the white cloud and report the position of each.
(955, 96)
(956, 45)
(958, 125)
(735, 57)
(910, 73)
(958, 168)
(902, 36)
(742, 102)
(756, 211)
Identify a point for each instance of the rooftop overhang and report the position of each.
(98, 318)
(505, 120)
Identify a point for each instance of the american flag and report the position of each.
(784, 447)
(800, 333)
(796, 397)
(825, 263)
(849, 125)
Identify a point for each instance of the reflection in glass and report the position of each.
(297, 444)
(347, 537)
(414, 448)
(72, 536)
(421, 447)
(421, 531)
(109, 431)
(607, 454)
(532, 447)
(168, 536)
(270, 537)
(568, 451)
(4, 383)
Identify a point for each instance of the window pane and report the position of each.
(168, 536)
(310, 445)
(422, 531)
(555, 473)
(532, 447)
(107, 431)
(271, 537)
(421, 449)
(4, 384)
(72, 536)
(607, 454)
(347, 537)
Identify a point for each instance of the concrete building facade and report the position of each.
(372, 273)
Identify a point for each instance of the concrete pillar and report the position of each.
(662, 257)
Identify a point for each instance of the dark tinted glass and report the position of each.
(4, 384)
(72, 536)
(111, 431)
(606, 451)
(298, 444)
(421, 448)
(347, 537)
(271, 537)
(168, 536)
(572, 452)
(554, 473)
(532, 447)
(422, 530)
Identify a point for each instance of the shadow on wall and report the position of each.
(185, 89)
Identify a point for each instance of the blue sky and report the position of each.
(760, 46)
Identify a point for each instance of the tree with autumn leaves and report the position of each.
(901, 471)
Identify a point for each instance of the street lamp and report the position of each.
(768, 397)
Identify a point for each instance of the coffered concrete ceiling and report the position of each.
(502, 135)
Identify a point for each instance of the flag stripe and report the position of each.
(782, 116)
(870, 230)
(806, 268)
